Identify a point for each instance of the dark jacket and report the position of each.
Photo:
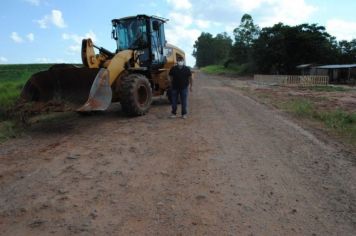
(181, 76)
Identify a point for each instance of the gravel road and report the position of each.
(234, 167)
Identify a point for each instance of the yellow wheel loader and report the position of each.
(132, 75)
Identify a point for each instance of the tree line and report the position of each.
(276, 49)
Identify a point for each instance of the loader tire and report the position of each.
(135, 94)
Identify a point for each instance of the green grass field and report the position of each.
(221, 70)
(12, 80)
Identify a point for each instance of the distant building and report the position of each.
(306, 69)
(338, 74)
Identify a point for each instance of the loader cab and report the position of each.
(142, 33)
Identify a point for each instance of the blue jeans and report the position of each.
(183, 93)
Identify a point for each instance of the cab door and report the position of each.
(157, 42)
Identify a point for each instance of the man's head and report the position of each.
(180, 61)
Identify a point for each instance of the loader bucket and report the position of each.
(61, 83)
(100, 93)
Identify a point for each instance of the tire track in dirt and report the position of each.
(234, 167)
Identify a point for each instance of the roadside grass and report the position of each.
(327, 88)
(12, 80)
(9, 92)
(299, 107)
(230, 70)
(339, 121)
(218, 69)
(8, 129)
(315, 108)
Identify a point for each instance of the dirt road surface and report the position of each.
(234, 167)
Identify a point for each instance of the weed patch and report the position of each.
(299, 107)
(328, 88)
(338, 119)
(8, 129)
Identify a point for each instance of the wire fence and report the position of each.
(303, 80)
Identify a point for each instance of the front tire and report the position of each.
(136, 95)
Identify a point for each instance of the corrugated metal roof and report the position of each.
(344, 66)
(304, 66)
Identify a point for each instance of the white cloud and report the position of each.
(183, 38)
(16, 38)
(34, 2)
(341, 29)
(3, 60)
(43, 22)
(180, 4)
(180, 35)
(204, 24)
(30, 37)
(189, 18)
(57, 19)
(180, 19)
(181, 32)
(74, 37)
(249, 5)
(77, 40)
(264, 12)
(54, 18)
(290, 12)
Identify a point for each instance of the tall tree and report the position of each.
(244, 35)
(347, 51)
(221, 47)
(276, 49)
(209, 50)
(202, 50)
(280, 48)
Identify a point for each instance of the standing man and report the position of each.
(181, 78)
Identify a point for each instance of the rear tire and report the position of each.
(135, 94)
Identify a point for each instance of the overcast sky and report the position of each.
(50, 31)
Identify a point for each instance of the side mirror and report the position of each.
(155, 25)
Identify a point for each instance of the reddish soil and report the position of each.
(326, 100)
(234, 167)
